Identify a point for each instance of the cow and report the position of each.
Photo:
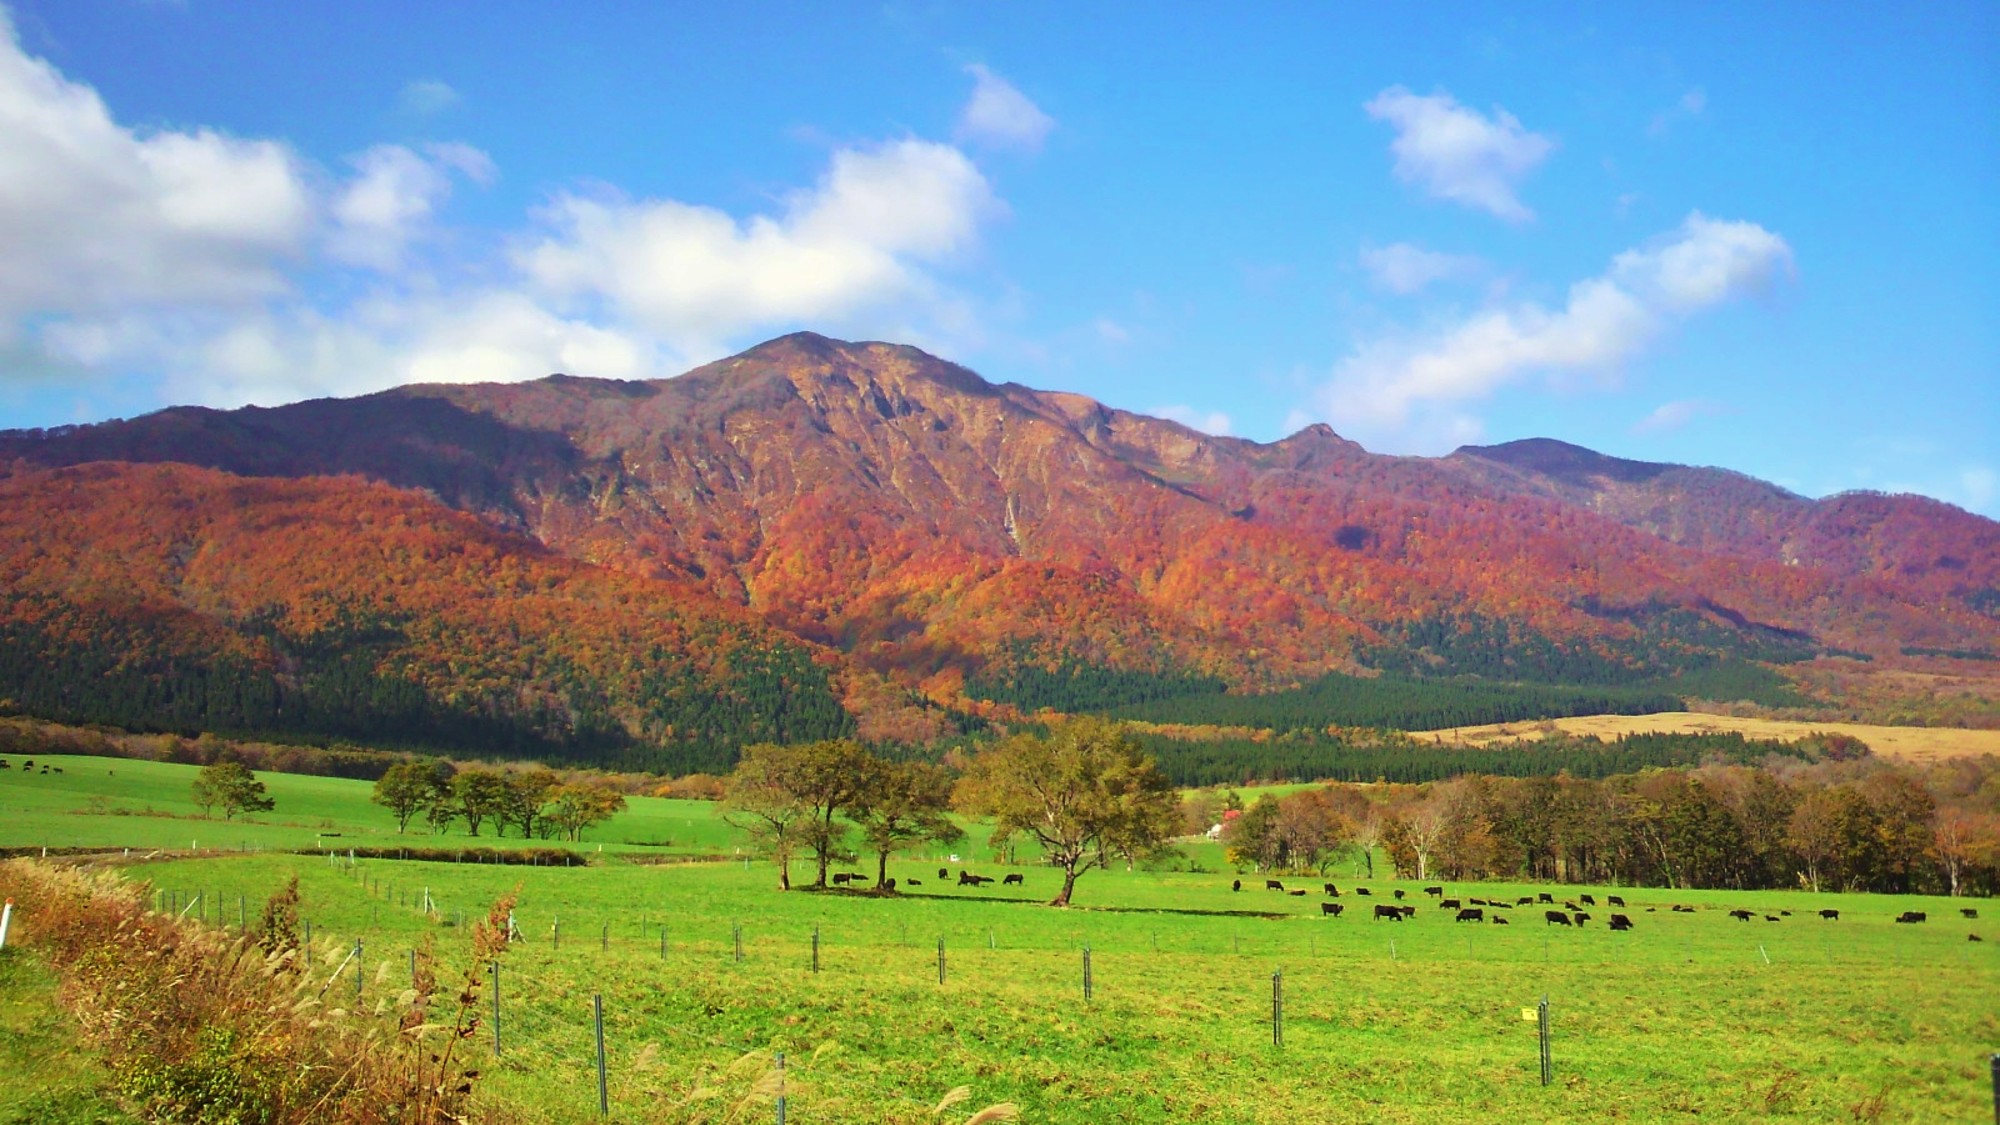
(1399, 894)
(1620, 922)
(58, 769)
(1363, 891)
(1392, 913)
(1470, 914)
(1912, 916)
(1587, 900)
(890, 884)
(1013, 880)
(943, 873)
(914, 882)
(1830, 915)
(1408, 911)
(1679, 909)
(840, 878)
(1974, 937)
(1236, 884)
(1449, 904)
(5, 764)
(1331, 909)
(968, 879)
(1434, 892)
(1332, 891)
(1273, 885)
(1786, 913)
(1545, 896)
(1525, 900)
(1614, 900)
(1300, 893)
(1579, 917)
(1741, 915)
(1770, 917)
(1499, 921)
(1554, 918)
(1968, 911)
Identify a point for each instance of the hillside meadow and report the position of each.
(1688, 1015)
(1917, 744)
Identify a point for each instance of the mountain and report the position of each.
(897, 519)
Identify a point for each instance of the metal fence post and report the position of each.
(781, 1080)
(738, 929)
(496, 1009)
(603, 1091)
(358, 967)
(815, 955)
(940, 958)
(1542, 1020)
(1278, 1008)
(1086, 973)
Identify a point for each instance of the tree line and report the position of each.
(1083, 792)
(537, 802)
(1842, 823)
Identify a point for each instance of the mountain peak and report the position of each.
(1559, 460)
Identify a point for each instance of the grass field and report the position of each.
(1689, 1016)
(1908, 743)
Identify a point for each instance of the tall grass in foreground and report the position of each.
(204, 1027)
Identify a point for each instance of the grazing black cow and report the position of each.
(1830, 915)
(1013, 881)
(1571, 906)
(840, 878)
(1679, 909)
(943, 873)
(1273, 885)
(1297, 893)
(1770, 917)
(891, 884)
(1392, 913)
(1974, 937)
(1579, 917)
(1470, 914)
(1587, 900)
(29, 764)
(1449, 904)
(1968, 911)
(1741, 915)
(5, 764)
(1332, 908)
(1363, 891)
(1236, 884)
(1499, 921)
(1554, 918)
(1614, 900)
(1434, 892)
(1408, 911)
(1786, 913)
(1399, 894)
(1620, 922)
(1332, 891)
(914, 882)
(968, 879)
(1545, 896)
(1525, 900)
(58, 769)
(1912, 916)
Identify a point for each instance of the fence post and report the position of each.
(781, 1079)
(1996, 1088)
(7, 919)
(1542, 1019)
(606, 946)
(940, 958)
(1278, 1008)
(1086, 973)
(496, 1009)
(815, 960)
(603, 1091)
(358, 967)
(309, 932)
(663, 943)
(737, 928)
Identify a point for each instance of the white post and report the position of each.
(6, 917)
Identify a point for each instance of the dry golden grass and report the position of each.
(1908, 743)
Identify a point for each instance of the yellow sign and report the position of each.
(1528, 1015)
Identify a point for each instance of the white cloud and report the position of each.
(425, 96)
(1670, 416)
(1207, 421)
(1404, 268)
(1460, 154)
(694, 276)
(1689, 105)
(1110, 331)
(1001, 115)
(1411, 389)
(392, 200)
(94, 216)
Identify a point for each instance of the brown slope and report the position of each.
(875, 498)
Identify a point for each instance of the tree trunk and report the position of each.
(882, 871)
(1069, 883)
(784, 873)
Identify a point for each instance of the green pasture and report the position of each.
(1689, 1016)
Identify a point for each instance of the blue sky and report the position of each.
(1732, 235)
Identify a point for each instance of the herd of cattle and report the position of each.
(965, 879)
(1571, 913)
